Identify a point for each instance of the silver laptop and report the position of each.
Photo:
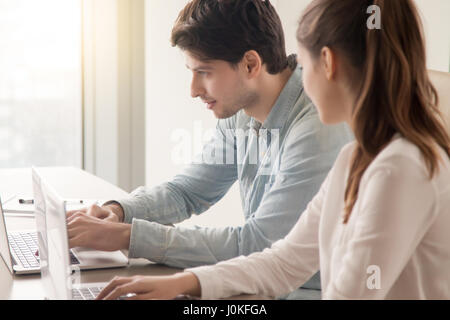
(50, 218)
(56, 269)
(18, 249)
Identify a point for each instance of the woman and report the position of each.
(378, 228)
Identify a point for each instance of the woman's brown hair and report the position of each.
(395, 94)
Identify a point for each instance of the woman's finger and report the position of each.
(143, 296)
(111, 286)
(124, 289)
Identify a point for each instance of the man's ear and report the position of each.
(328, 62)
(252, 63)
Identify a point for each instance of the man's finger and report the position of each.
(73, 231)
(94, 210)
(76, 241)
(75, 215)
(71, 212)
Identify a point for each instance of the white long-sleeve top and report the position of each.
(396, 244)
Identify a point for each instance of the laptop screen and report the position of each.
(52, 235)
(4, 245)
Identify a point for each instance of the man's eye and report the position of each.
(202, 73)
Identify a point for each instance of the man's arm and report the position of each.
(114, 211)
(199, 186)
(308, 156)
(273, 272)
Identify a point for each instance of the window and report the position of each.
(40, 83)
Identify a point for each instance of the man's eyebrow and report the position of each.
(201, 67)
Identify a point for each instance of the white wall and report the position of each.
(170, 108)
(435, 17)
(290, 11)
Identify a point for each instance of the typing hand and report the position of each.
(150, 287)
(104, 213)
(90, 232)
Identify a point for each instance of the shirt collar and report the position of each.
(283, 105)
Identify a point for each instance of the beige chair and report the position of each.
(441, 81)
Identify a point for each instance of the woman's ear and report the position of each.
(328, 62)
(252, 63)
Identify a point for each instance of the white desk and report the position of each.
(70, 183)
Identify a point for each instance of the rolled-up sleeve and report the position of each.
(193, 191)
(307, 156)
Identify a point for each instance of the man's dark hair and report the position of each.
(227, 29)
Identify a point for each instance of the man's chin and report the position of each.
(220, 114)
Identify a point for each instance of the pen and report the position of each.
(31, 201)
(23, 201)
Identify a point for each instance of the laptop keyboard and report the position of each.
(73, 259)
(25, 246)
(86, 293)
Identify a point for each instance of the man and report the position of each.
(268, 137)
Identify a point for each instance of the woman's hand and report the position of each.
(151, 287)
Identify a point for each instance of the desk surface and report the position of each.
(24, 287)
(70, 183)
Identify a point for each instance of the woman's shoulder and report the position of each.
(404, 157)
(346, 152)
(404, 149)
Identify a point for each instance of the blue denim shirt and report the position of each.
(279, 164)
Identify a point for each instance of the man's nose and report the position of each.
(197, 89)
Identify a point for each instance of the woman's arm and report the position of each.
(145, 288)
(275, 271)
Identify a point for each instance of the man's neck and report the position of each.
(270, 90)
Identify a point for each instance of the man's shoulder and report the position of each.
(307, 125)
(238, 121)
(307, 133)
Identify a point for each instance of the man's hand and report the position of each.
(150, 287)
(88, 231)
(112, 212)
